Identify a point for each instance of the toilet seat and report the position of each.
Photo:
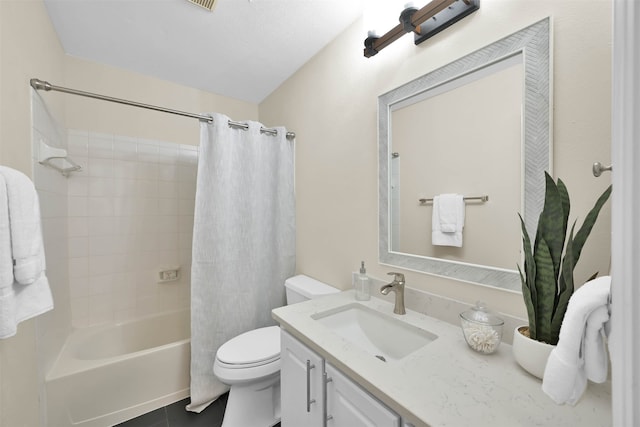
(251, 349)
(249, 357)
(243, 374)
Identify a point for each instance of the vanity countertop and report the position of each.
(444, 383)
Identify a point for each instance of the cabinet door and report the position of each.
(301, 384)
(348, 405)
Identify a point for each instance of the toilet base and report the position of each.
(254, 404)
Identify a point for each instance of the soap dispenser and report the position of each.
(361, 284)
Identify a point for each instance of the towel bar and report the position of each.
(478, 198)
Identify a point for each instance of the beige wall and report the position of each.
(28, 46)
(331, 104)
(101, 116)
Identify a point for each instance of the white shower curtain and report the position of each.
(243, 241)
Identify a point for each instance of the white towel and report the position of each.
(581, 352)
(18, 302)
(6, 261)
(596, 357)
(21, 303)
(24, 218)
(447, 220)
(7, 306)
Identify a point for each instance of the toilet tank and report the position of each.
(302, 288)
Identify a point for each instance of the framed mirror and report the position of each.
(481, 127)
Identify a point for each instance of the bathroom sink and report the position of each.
(385, 337)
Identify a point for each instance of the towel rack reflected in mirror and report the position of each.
(482, 199)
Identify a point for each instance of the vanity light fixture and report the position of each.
(424, 23)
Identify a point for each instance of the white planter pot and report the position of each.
(532, 355)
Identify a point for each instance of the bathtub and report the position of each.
(108, 374)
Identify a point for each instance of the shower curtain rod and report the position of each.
(38, 84)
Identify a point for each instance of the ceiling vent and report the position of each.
(207, 4)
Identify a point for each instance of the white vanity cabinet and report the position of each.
(349, 405)
(316, 394)
(301, 375)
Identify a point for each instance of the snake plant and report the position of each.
(547, 279)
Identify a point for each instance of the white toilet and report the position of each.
(250, 364)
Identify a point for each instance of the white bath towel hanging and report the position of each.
(6, 261)
(26, 235)
(7, 302)
(447, 220)
(581, 353)
(17, 301)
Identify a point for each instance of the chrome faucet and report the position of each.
(396, 286)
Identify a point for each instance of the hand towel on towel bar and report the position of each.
(447, 220)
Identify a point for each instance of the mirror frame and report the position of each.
(534, 44)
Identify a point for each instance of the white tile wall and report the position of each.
(109, 228)
(52, 326)
(130, 213)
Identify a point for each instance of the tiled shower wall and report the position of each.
(52, 326)
(130, 215)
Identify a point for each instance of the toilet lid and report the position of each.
(252, 347)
